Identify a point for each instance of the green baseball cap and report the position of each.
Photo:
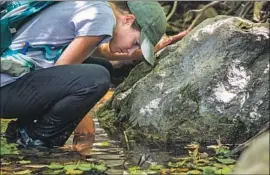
(152, 21)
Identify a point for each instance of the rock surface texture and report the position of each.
(214, 82)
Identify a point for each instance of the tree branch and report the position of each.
(245, 9)
(242, 146)
(237, 6)
(172, 11)
(200, 12)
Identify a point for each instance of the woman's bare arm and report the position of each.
(79, 50)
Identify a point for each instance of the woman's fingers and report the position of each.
(165, 41)
(179, 36)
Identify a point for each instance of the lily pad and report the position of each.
(24, 161)
(225, 170)
(84, 167)
(208, 167)
(58, 171)
(101, 168)
(156, 167)
(70, 167)
(208, 170)
(226, 161)
(35, 166)
(202, 162)
(73, 171)
(194, 172)
(55, 166)
(182, 170)
(136, 172)
(218, 165)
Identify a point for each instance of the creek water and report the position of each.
(111, 155)
(104, 150)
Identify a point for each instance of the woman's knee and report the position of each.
(100, 61)
(100, 75)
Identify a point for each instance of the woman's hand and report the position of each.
(165, 41)
(84, 136)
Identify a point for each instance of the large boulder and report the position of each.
(214, 82)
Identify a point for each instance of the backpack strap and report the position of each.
(49, 52)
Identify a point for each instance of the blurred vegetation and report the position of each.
(182, 14)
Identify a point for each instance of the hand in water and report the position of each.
(84, 136)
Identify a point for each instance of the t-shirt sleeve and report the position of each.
(96, 20)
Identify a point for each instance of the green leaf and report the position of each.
(194, 172)
(101, 168)
(70, 167)
(84, 167)
(58, 171)
(73, 171)
(196, 153)
(224, 150)
(106, 144)
(136, 172)
(202, 162)
(226, 161)
(4, 150)
(131, 169)
(218, 165)
(54, 166)
(23, 172)
(225, 170)
(24, 161)
(208, 170)
(35, 166)
(156, 167)
(177, 164)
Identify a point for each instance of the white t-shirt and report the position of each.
(58, 25)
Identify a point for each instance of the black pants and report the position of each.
(51, 102)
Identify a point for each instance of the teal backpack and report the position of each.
(13, 15)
